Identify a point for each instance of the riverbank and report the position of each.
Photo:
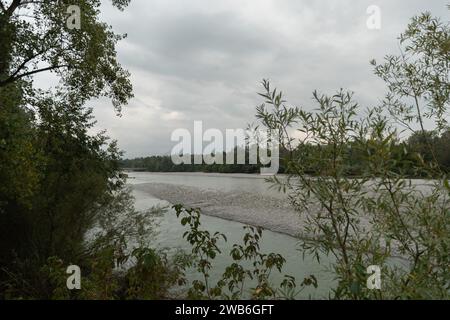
(243, 198)
(271, 213)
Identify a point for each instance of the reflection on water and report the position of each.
(170, 229)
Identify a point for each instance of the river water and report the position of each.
(226, 198)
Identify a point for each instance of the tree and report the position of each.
(382, 218)
(417, 78)
(58, 181)
(36, 38)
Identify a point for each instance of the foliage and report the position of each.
(417, 147)
(232, 284)
(165, 164)
(83, 59)
(382, 217)
(63, 198)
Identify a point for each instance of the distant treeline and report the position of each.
(165, 164)
(414, 149)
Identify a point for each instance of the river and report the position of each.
(225, 200)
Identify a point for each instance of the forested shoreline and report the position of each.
(413, 150)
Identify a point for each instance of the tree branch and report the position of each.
(22, 65)
(13, 6)
(29, 73)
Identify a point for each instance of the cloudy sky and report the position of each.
(204, 59)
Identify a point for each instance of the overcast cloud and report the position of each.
(204, 59)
